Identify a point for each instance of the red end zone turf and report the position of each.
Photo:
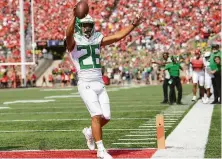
(124, 153)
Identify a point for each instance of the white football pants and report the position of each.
(95, 97)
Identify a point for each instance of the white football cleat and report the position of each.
(203, 100)
(207, 100)
(103, 155)
(89, 139)
(194, 98)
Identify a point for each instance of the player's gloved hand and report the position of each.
(138, 20)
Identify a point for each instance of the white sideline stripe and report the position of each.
(62, 96)
(137, 139)
(62, 89)
(141, 135)
(72, 130)
(29, 101)
(83, 119)
(190, 137)
(135, 143)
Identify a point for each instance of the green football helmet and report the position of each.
(85, 26)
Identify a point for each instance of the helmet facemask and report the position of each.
(86, 26)
(87, 29)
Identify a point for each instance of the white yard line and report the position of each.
(41, 113)
(81, 119)
(170, 113)
(81, 107)
(154, 124)
(166, 126)
(170, 120)
(28, 101)
(28, 131)
(137, 139)
(75, 93)
(80, 103)
(71, 130)
(190, 137)
(77, 150)
(5, 108)
(167, 118)
(140, 135)
(113, 108)
(127, 129)
(144, 132)
(75, 112)
(63, 96)
(134, 143)
(62, 89)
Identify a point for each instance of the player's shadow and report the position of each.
(8, 148)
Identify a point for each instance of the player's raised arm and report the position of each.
(69, 33)
(122, 33)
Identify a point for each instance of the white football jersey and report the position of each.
(86, 57)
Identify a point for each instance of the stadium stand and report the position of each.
(170, 24)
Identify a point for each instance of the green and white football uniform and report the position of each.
(86, 58)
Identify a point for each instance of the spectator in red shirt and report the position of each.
(5, 80)
(106, 79)
(44, 81)
(33, 80)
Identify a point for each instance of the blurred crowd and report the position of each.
(169, 26)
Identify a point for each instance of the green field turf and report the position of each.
(213, 148)
(58, 124)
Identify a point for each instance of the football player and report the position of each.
(84, 45)
(197, 66)
(207, 76)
